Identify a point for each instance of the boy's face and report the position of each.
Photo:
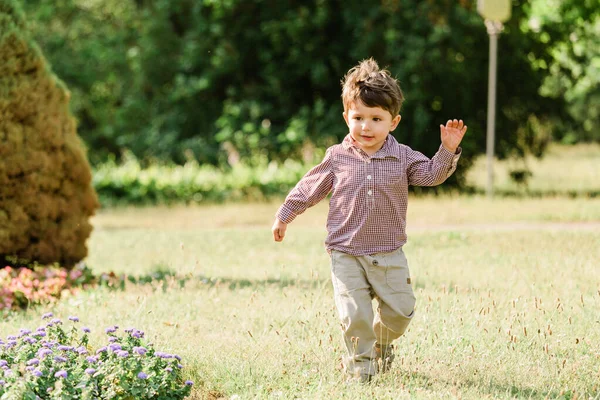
(369, 126)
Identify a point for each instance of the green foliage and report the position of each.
(130, 183)
(220, 81)
(571, 30)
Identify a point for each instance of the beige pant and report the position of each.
(356, 281)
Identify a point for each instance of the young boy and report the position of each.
(368, 175)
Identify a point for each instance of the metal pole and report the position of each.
(493, 28)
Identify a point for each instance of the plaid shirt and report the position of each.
(367, 210)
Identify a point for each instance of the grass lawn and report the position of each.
(562, 170)
(508, 299)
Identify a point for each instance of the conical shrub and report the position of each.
(46, 197)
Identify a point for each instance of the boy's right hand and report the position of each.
(278, 230)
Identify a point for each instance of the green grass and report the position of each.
(508, 299)
(564, 170)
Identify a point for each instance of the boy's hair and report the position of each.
(373, 87)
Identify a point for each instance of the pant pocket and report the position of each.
(397, 274)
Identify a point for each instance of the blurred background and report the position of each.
(210, 100)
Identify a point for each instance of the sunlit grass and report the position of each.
(562, 170)
(423, 211)
(507, 299)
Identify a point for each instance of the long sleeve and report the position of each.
(423, 171)
(311, 189)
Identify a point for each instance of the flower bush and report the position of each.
(54, 363)
(23, 287)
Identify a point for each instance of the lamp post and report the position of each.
(495, 12)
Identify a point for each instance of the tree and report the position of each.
(46, 197)
(260, 78)
(571, 30)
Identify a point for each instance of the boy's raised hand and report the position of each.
(452, 134)
(278, 230)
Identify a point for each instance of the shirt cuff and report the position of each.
(447, 156)
(285, 214)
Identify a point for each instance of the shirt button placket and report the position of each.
(370, 187)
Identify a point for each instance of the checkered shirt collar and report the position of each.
(389, 149)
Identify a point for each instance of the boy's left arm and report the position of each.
(423, 171)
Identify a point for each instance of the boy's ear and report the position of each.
(345, 114)
(395, 122)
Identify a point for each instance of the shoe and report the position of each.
(384, 356)
(361, 378)
(358, 376)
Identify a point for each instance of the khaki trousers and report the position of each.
(357, 280)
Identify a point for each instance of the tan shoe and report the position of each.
(384, 355)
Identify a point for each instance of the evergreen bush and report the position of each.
(46, 196)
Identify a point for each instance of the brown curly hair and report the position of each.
(374, 87)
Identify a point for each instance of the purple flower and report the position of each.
(101, 350)
(65, 348)
(92, 359)
(3, 363)
(40, 333)
(24, 332)
(38, 373)
(175, 356)
(90, 371)
(123, 353)
(128, 330)
(56, 321)
(179, 366)
(60, 359)
(29, 340)
(81, 350)
(137, 334)
(74, 319)
(44, 352)
(33, 361)
(189, 383)
(61, 374)
(111, 329)
(114, 347)
(2, 382)
(86, 330)
(47, 315)
(11, 337)
(29, 368)
(113, 339)
(169, 369)
(140, 350)
(142, 375)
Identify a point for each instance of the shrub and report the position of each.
(46, 197)
(24, 287)
(129, 183)
(58, 363)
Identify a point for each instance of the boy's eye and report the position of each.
(376, 119)
(358, 118)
